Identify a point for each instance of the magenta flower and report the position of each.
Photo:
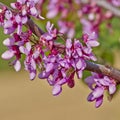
(87, 26)
(20, 20)
(67, 28)
(2, 15)
(10, 53)
(101, 83)
(51, 33)
(13, 44)
(27, 7)
(30, 64)
(51, 73)
(116, 3)
(96, 95)
(53, 8)
(76, 54)
(91, 39)
(55, 72)
(61, 7)
(9, 24)
(12, 22)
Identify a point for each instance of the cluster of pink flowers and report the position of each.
(90, 15)
(115, 2)
(98, 83)
(26, 7)
(14, 43)
(12, 23)
(60, 68)
(56, 62)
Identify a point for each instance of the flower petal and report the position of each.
(90, 81)
(56, 90)
(33, 11)
(62, 81)
(13, 5)
(99, 101)
(93, 43)
(79, 74)
(90, 97)
(8, 41)
(7, 54)
(17, 65)
(79, 64)
(21, 1)
(28, 46)
(112, 88)
(43, 75)
(49, 67)
(52, 13)
(68, 43)
(24, 19)
(8, 24)
(32, 75)
(71, 33)
(33, 64)
(98, 92)
(9, 30)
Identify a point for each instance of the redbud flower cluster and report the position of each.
(56, 61)
(90, 15)
(98, 84)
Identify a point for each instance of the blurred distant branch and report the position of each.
(106, 5)
(98, 68)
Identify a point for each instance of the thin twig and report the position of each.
(105, 70)
(35, 29)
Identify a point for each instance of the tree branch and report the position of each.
(105, 70)
(98, 68)
(35, 29)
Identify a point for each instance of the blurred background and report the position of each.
(22, 99)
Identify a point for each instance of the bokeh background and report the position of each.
(22, 99)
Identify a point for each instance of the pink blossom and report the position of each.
(101, 83)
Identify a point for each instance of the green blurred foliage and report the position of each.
(7, 2)
(109, 41)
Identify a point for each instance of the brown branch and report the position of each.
(105, 70)
(98, 68)
(35, 29)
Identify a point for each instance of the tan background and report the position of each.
(22, 99)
